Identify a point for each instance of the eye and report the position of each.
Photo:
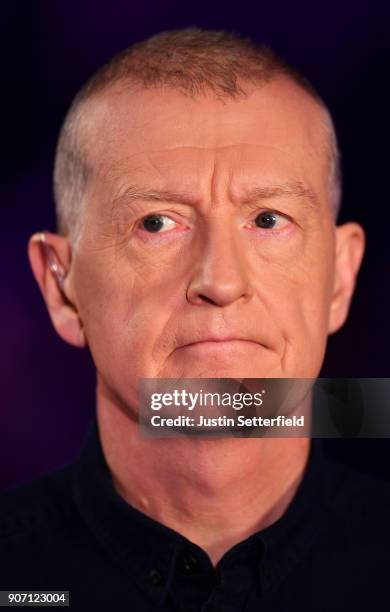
(270, 220)
(157, 223)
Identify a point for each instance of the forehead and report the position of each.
(277, 131)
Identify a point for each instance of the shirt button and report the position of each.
(155, 577)
(189, 564)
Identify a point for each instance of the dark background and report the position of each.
(48, 50)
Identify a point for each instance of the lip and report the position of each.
(218, 340)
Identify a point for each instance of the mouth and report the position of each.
(228, 345)
(227, 341)
(213, 340)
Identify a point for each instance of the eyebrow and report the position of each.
(295, 189)
(134, 193)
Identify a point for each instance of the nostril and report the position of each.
(206, 299)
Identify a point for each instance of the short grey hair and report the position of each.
(193, 61)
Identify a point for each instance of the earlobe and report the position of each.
(349, 250)
(50, 259)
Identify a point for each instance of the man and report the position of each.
(197, 192)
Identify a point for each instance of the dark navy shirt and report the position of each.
(70, 530)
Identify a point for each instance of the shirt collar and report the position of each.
(147, 551)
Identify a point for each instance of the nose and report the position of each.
(221, 273)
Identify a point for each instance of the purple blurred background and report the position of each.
(49, 49)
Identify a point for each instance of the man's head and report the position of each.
(197, 190)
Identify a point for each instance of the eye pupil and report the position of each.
(153, 223)
(265, 220)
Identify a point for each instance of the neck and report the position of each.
(215, 492)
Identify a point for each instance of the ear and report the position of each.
(350, 244)
(50, 258)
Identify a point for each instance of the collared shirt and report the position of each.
(70, 530)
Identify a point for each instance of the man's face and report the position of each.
(180, 272)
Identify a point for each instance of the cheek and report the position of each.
(304, 321)
(124, 314)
